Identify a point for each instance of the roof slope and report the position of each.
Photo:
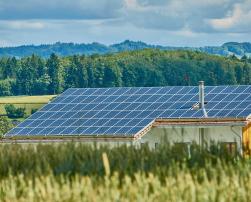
(126, 111)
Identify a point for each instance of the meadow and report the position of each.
(27, 102)
(79, 172)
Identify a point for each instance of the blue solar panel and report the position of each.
(189, 113)
(245, 112)
(228, 89)
(125, 111)
(247, 90)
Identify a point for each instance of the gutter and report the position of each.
(201, 122)
(47, 139)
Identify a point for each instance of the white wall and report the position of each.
(191, 134)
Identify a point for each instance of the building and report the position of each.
(180, 114)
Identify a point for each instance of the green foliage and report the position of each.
(11, 65)
(5, 125)
(6, 87)
(78, 172)
(75, 73)
(55, 73)
(151, 67)
(13, 112)
(33, 111)
(70, 159)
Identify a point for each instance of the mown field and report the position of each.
(27, 102)
(77, 172)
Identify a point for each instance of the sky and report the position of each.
(164, 22)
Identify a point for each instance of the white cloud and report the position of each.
(237, 20)
(172, 15)
(21, 24)
(131, 4)
(164, 21)
(176, 15)
(4, 43)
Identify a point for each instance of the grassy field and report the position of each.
(28, 102)
(77, 172)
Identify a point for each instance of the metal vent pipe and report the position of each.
(202, 97)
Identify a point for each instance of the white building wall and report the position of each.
(190, 134)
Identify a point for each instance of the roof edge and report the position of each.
(143, 131)
(201, 122)
(48, 139)
(208, 119)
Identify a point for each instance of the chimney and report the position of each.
(202, 98)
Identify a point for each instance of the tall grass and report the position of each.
(183, 187)
(70, 159)
(77, 172)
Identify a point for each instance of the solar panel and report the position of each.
(126, 111)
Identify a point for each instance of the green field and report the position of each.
(77, 172)
(27, 102)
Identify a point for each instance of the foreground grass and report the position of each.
(76, 172)
(183, 187)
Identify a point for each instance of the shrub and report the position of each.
(13, 112)
(33, 111)
(5, 125)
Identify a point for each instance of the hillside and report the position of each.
(35, 75)
(68, 49)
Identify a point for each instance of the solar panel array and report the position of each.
(126, 111)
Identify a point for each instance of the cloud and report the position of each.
(164, 21)
(59, 9)
(21, 24)
(173, 15)
(198, 16)
(4, 43)
(237, 20)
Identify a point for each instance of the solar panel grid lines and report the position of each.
(219, 91)
(185, 102)
(246, 111)
(123, 111)
(55, 120)
(173, 96)
(86, 120)
(247, 90)
(214, 108)
(240, 90)
(119, 129)
(98, 129)
(189, 109)
(93, 115)
(38, 116)
(237, 108)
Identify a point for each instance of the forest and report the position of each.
(35, 75)
(69, 49)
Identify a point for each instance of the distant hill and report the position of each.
(67, 49)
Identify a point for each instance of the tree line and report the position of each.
(35, 75)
